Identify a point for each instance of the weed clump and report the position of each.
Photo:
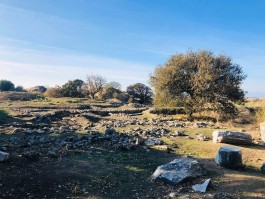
(260, 114)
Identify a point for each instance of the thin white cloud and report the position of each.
(29, 67)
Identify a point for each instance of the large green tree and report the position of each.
(198, 81)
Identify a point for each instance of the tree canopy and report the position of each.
(6, 85)
(198, 81)
(72, 88)
(114, 84)
(94, 84)
(140, 92)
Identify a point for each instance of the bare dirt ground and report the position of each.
(59, 150)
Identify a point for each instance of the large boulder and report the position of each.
(229, 157)
(262, 132)
(178, 171)
(230, 137)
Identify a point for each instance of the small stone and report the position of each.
(153, 141)
(201, 187)
(184, 197)
(180, 133)
(202, 137)
(173, 194)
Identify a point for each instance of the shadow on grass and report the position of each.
(100, 172)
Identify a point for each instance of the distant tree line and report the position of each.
(97, 87)
(6, 85)
(194, 81)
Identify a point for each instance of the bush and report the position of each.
(6, 85)
(53, 92)
(260, 114)
(3, 115)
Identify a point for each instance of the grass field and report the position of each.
(100, 171)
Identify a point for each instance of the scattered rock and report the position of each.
(153, 141)
(231, 137)
(4, 156)
(184, 197)
(178, 170)
(180, 133)
(173, 194)
(222, 196)
(202, 125)
(201, 187)
(202, 137)
(229, 157)
(31, 155)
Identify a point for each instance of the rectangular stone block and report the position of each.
(230, 137)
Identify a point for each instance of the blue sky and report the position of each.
(48, 42)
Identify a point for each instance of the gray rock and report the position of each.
(231, 137)
(153, 141)
(173, 194)
(229, 157)
(202, 137)
(178, 170)
(180, 133)
(262, 132)
(262, 168)
(4, 156)
(201, 187)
